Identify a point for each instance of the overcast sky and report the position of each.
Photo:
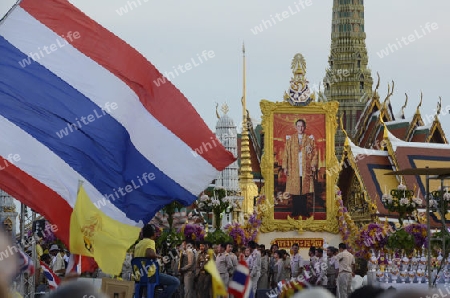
(171, 32)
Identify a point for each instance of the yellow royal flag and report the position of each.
(218, 288)
(94, 234)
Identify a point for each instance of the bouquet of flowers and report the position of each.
(401, 200)
(419, 232)
(372, 236)
(242, 234)
(192, 232)
(236, 231)
(218, 203)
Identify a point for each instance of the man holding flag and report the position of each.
(218, 287)
(146, 249)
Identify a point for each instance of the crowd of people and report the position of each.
(183, 273)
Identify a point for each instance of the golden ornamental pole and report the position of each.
(248, 187)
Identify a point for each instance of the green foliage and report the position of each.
(218, 236)
(169, 239)
(401, 240)
(436, 242)
(170, 210)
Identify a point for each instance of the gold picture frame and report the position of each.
(279, 122)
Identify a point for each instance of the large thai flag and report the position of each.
(78, 103)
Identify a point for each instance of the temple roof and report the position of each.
(371, 166)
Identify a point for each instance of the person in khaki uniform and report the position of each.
(254, 264)
(321, 268)
(187, 269)
(296, 261)
(233, 258)
(346, 270)
(203, 281)
(224, 264)
(333, 267)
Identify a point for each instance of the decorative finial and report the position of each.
(217, 112)
(404, 106)
(378, 83)
(420, 103)
(390, 92)
(298, 64)
(224, 108)
(341, 122)
(243, 48)
(439, 106)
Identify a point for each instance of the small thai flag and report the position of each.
(25, 263)
(53, 280)
(241, 284)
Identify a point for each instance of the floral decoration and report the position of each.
(371, 236)
(236, 231)
(218, 203)
(419, 233)
(291, 287)
(346, 225)
(401, 240)
(192, 232)
(402, 201)
(169, 238)
(243, 233)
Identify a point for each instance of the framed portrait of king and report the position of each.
(298, 153)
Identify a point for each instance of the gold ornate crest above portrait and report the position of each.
(299, 93)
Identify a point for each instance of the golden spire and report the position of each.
(249, 190)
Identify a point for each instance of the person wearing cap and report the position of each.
(57, 264)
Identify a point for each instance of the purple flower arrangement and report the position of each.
(371, 236)
(236, 231)
(419, 232)
(192, 232)
(242, 234)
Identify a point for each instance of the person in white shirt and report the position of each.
(321, 268)
(296, 261)
(346, 270)
(333, 268)
(57, 263)
(255, 269)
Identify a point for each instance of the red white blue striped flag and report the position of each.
(52, 278)
(78, 103)
(241, 284)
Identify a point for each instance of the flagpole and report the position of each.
(10, 10)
